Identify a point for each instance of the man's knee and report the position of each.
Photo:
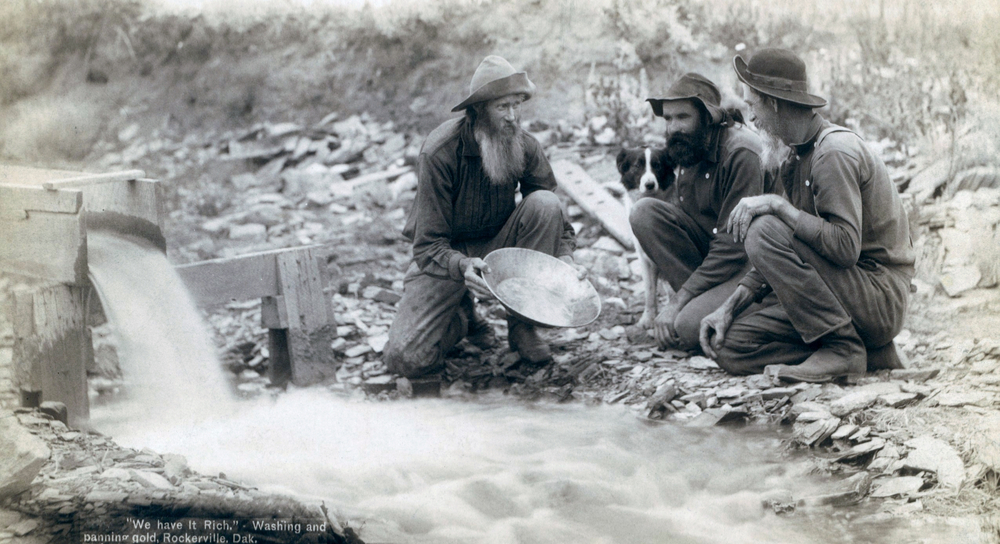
(766, 232)
(652, 219)
(410, 361)
(542, 204)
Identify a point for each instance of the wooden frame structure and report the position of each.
(294, 306)
(44, 219)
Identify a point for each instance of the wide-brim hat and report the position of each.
(779, 73)
(494, 78)
(695, 87)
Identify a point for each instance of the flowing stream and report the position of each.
(493, 470)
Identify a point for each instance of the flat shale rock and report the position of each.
(934, 455)
(21, 456)
(902, 486)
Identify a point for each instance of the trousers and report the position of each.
(677, 245)
(811, 297)
(434, 313)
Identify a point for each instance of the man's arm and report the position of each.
(432, 227)
(715, 325)
(726, 257)
(538, 176)
(835, 232)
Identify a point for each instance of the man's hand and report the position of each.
(750, 207)
(663, 325)
(474, 280)
(581, 271)
(713, 330)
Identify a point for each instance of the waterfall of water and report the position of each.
(169, 363)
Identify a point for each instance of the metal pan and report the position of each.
(540, 288)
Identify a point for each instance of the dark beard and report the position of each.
(687, 149)
(501, 149)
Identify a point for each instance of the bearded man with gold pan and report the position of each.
(469, 171)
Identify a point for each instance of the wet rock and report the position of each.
(21, 456)
(815, 433)
(897, 400)
(844, 493)
(934, 455)
(961, 398)
(913, 374)
(844, 431)
(861, 449)
(56, 410)
(902, 486)
(861, 398)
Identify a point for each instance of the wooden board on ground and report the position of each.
(594, 199)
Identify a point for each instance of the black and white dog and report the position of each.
(645, 171)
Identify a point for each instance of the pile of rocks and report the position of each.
(73, 483)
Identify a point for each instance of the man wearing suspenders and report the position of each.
(832, 261)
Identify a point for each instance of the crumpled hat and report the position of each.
(692, 86)
(779, 73)
(494, 78)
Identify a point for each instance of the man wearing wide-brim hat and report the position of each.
(683, 234)
(468, 171)
(832, 261)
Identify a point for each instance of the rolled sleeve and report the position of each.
(755, 282)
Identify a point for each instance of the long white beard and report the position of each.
(774, 152)
(502, 152)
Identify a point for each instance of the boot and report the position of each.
(480, 332)
(841, 355)
(523, 338)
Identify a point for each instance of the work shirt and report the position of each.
(709, 190)
(456, 201)
(853, 213)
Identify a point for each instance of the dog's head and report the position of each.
(645, 169)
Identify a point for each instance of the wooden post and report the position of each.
(52, 347)
(294, 307)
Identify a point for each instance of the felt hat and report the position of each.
(779, 73)
(695, 87)
(494, 78)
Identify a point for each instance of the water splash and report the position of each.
(169, 363)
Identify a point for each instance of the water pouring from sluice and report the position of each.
(489, 470)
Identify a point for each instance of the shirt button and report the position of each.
(682, 171)
(715, 231)
(807, 183)
(763, 286)
(682, 199)
(706, 175)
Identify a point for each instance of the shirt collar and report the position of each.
(815, 127)
(470, 147)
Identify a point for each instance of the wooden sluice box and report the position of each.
(44, 219)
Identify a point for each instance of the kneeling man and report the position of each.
(684, 235)
(832, 264)
(468, 171)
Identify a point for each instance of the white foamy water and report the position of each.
(490, 471)
(170, 366)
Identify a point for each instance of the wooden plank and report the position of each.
(254, 275)
(273, 313)
(45, 245)
(93, 179)
(14, 198)
(594, 199)
(236, 278)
